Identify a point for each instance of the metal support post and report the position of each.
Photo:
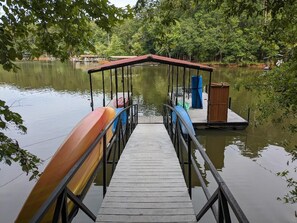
(189, 165)
(91, 91)
(103, 86)
(104, 165)
(116, 80)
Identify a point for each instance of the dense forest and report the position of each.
(204, 31)
(196, 32)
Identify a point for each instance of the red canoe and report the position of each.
(121, 102)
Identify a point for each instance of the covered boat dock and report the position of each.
(179, 90)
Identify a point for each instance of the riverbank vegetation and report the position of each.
(193, 30)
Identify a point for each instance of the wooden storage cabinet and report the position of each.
(218, 102)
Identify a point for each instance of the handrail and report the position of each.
(223, 193)
(61, 192)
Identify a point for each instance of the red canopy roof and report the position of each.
(149, 58)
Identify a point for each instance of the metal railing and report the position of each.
(185, 140)
(62, 194)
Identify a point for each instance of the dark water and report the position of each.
(52, 97)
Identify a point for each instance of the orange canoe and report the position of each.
(66, 156)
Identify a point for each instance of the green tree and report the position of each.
(125, 31)
(59, 28)
(196, 30)
(115, 47)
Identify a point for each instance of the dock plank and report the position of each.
(146, 189)
(163, 205)
(148, 184)
(144, 218)
(155, 199)
(145, 211)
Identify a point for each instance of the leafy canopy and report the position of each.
(59, 28)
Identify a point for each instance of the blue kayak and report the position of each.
(123, 117)
(183, 113)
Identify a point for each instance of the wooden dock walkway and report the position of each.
(148, 184)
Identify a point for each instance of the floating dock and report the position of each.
(199, 117)
(148, 184)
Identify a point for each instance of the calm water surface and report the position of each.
(52, 97)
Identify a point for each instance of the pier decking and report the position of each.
(148, 184)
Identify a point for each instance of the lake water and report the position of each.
(52, 97)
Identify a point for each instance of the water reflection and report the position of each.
(52, 97)
(249, 172)
(215, 147)
(41, 75)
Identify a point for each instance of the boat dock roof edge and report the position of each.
(150, 58)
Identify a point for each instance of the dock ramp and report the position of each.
(148, 184)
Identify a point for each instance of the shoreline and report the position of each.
(218, 64)
(212, 63)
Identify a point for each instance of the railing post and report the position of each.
(168, 120)
(91, 92)
(130, 118)
(171, 125)
(189, 165)
(224, 214)
(114, 155)
(176, 141)
(116, 82)
(64, 208)
(180, 152)
(104, 165)
(122, 135)
(103, 88)
(61, 208)
(136, 114)
(110, 73)
(118, 135)
(164, 114)
(220, 214)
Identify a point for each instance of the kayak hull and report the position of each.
(66, 156)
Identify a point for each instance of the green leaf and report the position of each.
(8, 162)
(2, 125)
(5, 9)
(12, 53)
